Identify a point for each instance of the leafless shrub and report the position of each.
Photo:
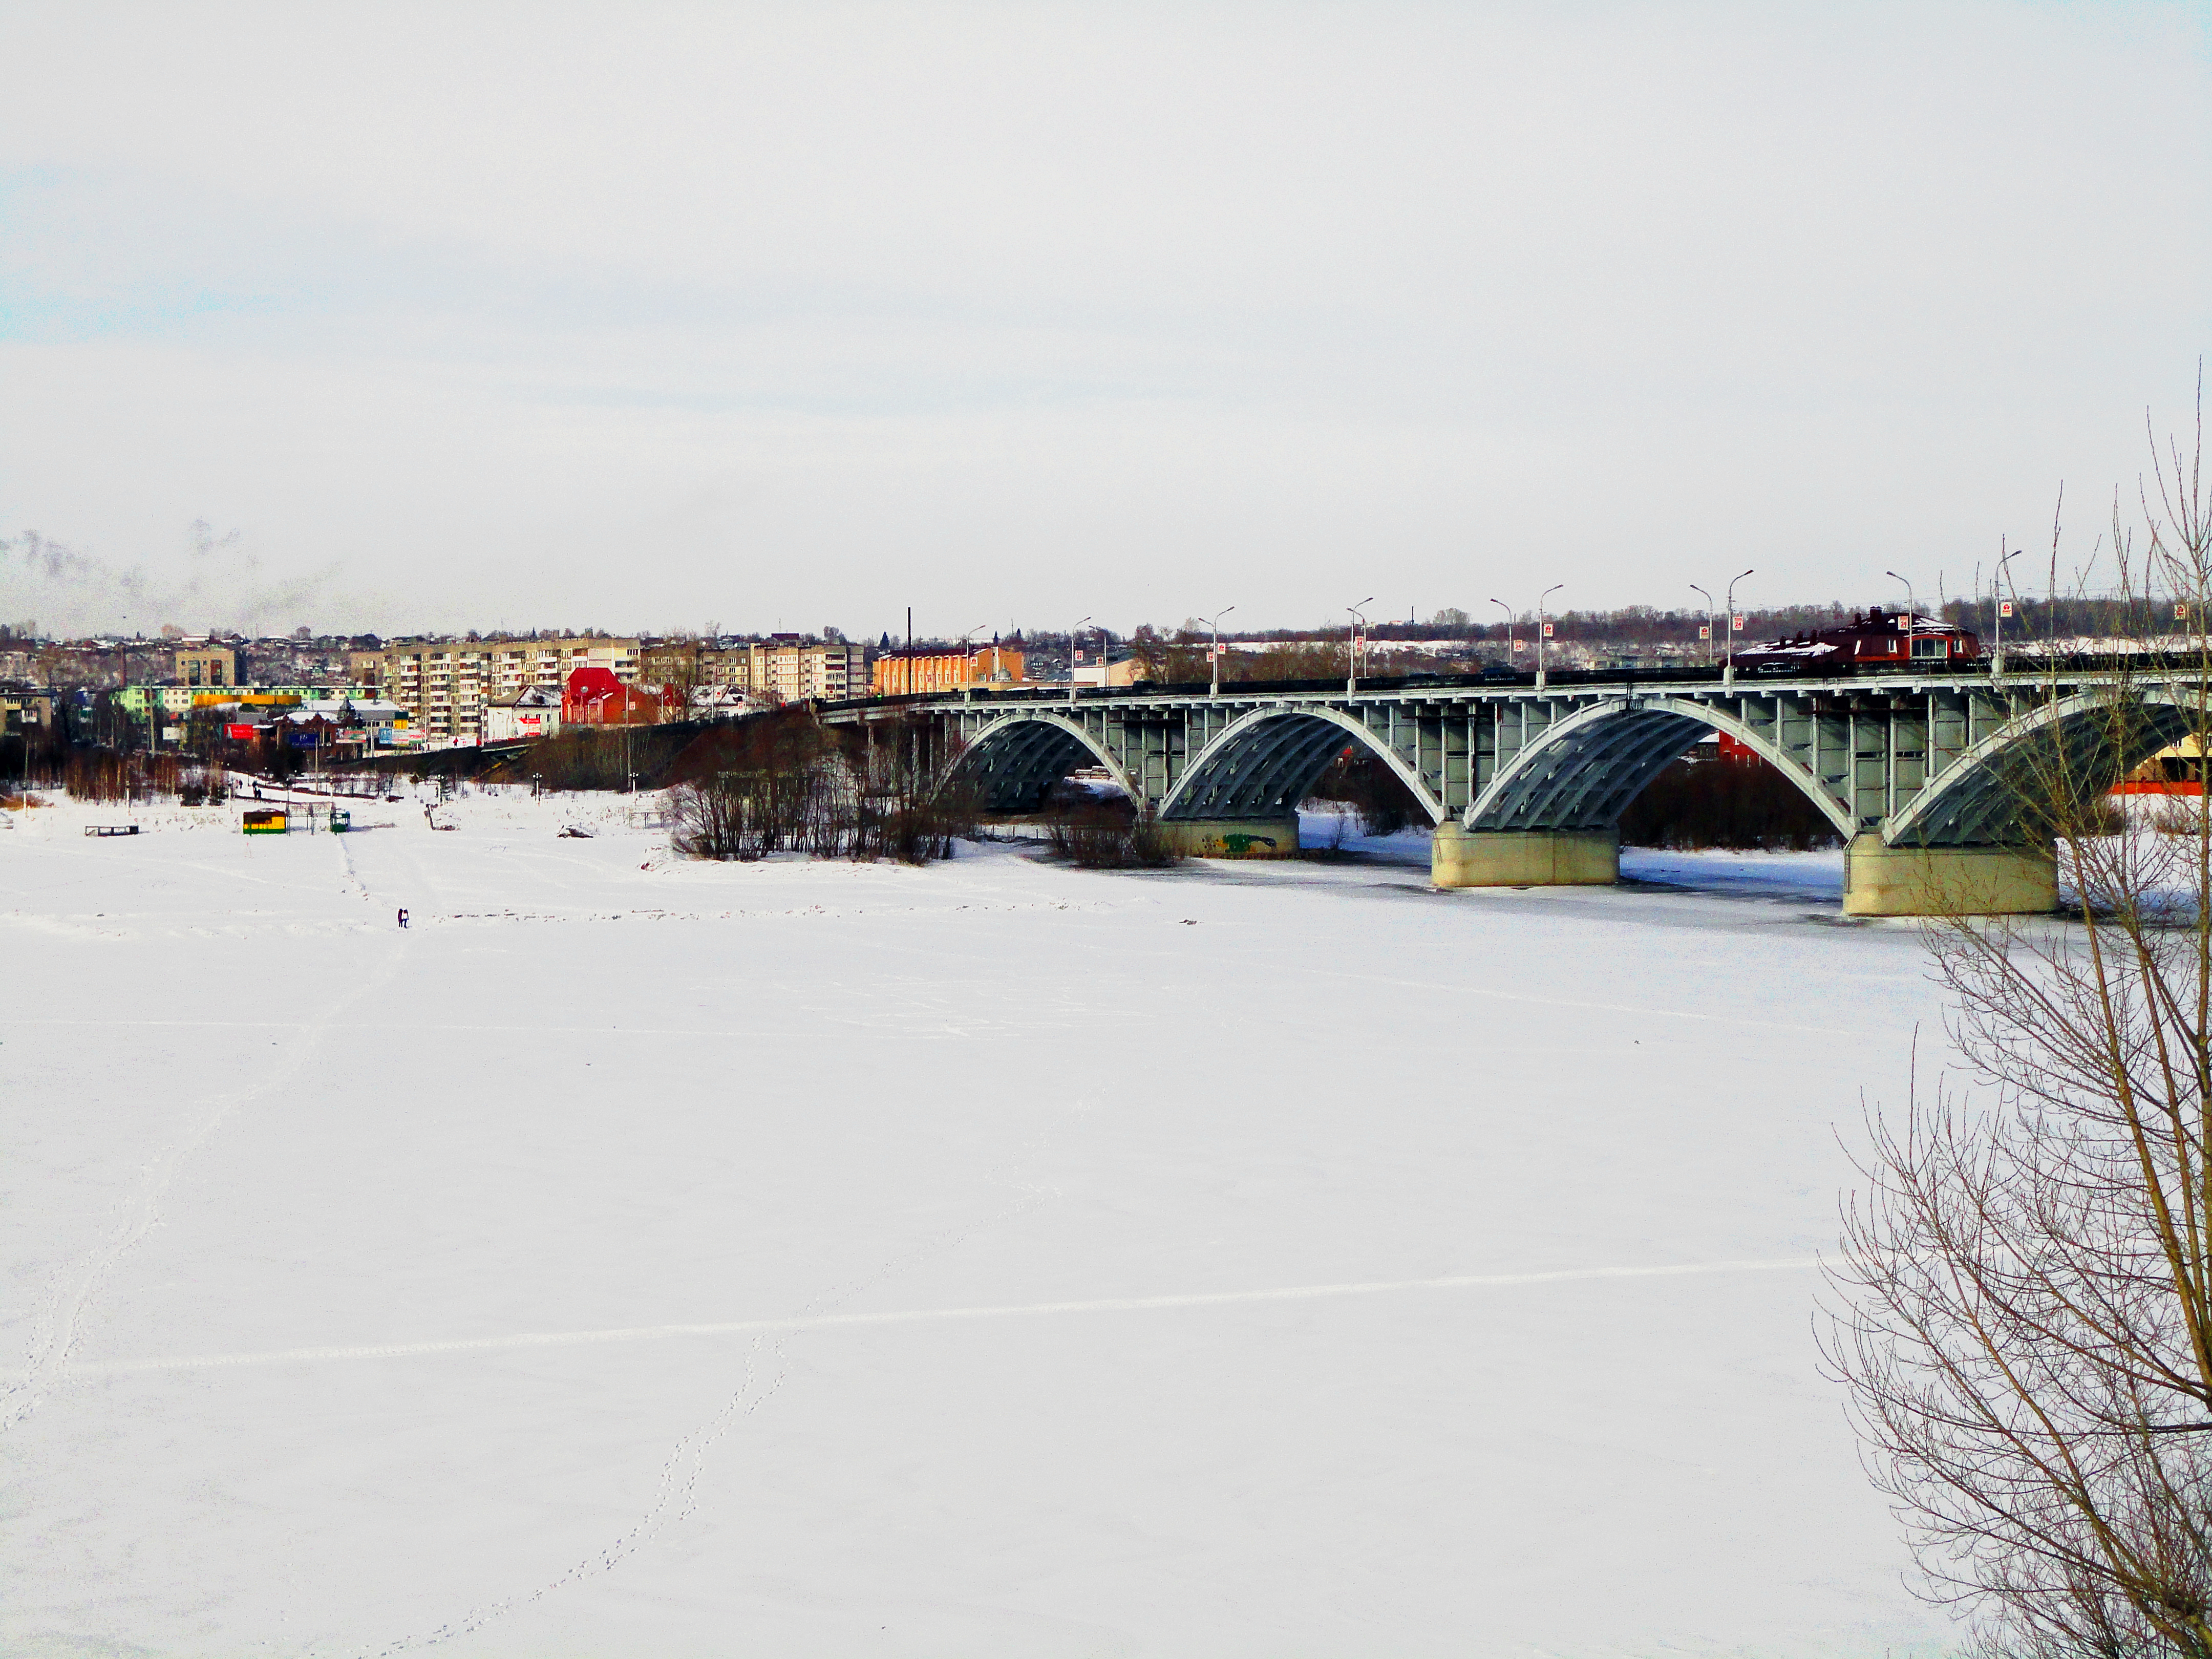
(1097, 837)
(886, 795)
(2175, 817)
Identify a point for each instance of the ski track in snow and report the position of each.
(680, 1472)
(812, 1322)
(71, 1292)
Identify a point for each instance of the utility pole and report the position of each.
(1351, 648)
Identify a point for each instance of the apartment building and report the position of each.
(206, 665)
(448, 686)
(783, 668)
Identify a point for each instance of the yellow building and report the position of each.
(898, 674)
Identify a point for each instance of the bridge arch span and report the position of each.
(2085, 740)
(1582, 772)
(1262, 764)
(1016, 759)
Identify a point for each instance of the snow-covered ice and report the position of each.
(640, 1256)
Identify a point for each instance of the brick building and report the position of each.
(896, 673)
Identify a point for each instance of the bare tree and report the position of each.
(2022, 1312)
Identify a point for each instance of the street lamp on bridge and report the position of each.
(1911, 612)
(1712, 617)
(1997, 605)
(1073, 633)
(1351, 648)
(1543, 635)
(1214, 623)
(1727, 671)
(968, 659)
(1512, 641)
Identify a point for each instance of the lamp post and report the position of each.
(1351, 648)
(1543, 635)
(968, 662)
(1727, 671)
(1997, 605)
(1071, 635)
(1711, 617)
(1512, 643)
(1912, 616)
(1213, 625)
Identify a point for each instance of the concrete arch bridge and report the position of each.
(1924, 777)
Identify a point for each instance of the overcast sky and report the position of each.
(644, 317)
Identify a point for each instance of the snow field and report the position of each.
(998, 1171)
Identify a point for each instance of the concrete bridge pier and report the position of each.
(1881, 880)
(1460, 856)
(1233, 838)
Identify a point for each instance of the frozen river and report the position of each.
(642, 1257)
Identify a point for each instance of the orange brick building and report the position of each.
(896, 673)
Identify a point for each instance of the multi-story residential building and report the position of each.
(447, 685)
(206, 665)
(783, 668)
(787, 669)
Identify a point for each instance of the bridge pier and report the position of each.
(1881, 880)
(1233, 838)
(1460, 856)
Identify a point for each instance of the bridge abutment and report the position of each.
(1233, 838)
(1881, 880)
(1460, 856)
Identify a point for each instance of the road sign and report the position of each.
(1547, 631)
(2004, 610)
(1704, 630)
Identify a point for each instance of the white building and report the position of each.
(535, 713)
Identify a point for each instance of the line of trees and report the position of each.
(787, 783)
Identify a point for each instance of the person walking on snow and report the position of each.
(403, 918)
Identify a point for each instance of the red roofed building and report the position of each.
(595, 697)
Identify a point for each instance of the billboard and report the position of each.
(306, 739)
(241, 734)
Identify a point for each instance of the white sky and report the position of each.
(640, 317)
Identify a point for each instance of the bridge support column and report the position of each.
(1881, 880)
(1460, 856)
(1233, 838)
